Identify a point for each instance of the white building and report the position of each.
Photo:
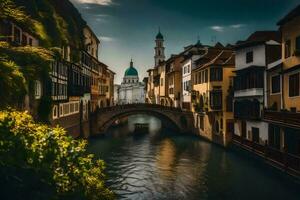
(130, 90)
(250, 95)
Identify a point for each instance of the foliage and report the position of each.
(20, 66)
(52, 164)
(9, 11)
(56, 23)
(12, 83)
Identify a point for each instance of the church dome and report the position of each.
(131, 71)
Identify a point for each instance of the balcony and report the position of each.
(249, 82)
(247, 109)
(252, 92)
(282, 118)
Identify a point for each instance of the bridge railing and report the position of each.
(139, 105)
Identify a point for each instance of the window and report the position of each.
(294, 85)
(37, 90)
(216, 127)
(221, 123)
(298, 43)
(216, 99)
(249, 57)
(161, 82)
(255, 135)
(30, 41)
(54, 112)
(275, 84)
(216, 74)
(230, 127)
(17, 35)
(287, 50)
(202, 122)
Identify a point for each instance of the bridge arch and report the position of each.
(173, 118)
(167, 122)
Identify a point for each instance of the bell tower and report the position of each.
(159, 48)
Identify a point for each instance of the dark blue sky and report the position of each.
(128, 27)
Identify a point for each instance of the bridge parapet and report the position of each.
(171, 117)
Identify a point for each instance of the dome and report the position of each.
(159, 36)
(131, 71)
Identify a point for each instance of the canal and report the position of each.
(167, 165)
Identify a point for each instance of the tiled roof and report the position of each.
(259, 37)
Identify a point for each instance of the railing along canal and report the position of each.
(282, 159)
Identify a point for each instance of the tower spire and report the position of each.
(131, 62)
(159, 48)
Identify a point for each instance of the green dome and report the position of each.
(131, 71)
(159, 36)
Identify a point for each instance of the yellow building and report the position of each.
(163, 90)
(174, 80)
(283, 111)
(150, 94)
(212, 95)
(110, 93)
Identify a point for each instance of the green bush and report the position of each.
(39, 162)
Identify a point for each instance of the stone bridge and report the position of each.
(172, 118)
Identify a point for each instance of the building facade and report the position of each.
(73, 86)
(250, 95)
(212, 94)
(282, 113)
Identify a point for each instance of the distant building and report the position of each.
(130, 90)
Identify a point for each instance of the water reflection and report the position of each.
(165, 165)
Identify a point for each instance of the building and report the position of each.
(73, 86)
(283, 106)
(154, 84)
(159, 49)
(212, 94)
(190, 56)
(174, 78)
(131, 89)
(250, 95)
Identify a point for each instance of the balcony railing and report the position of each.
(247, 109)
(282, 117)
(286, 161)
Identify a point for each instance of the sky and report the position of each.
(127, 28)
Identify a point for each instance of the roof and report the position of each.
(259, 37)
(292, 14)
(131, 71)
(159, 36)
(215, 56)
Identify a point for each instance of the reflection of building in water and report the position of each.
(165, 158)
(179, 167)
(130, 90)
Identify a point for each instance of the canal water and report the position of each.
(167, 165)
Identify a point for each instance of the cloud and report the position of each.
(237, 25)
(99, 2)
(217, 28)
(106, 39)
